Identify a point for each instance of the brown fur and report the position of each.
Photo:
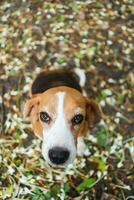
(73, 100)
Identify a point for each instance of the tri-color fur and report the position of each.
(58, 94)
(49, 79)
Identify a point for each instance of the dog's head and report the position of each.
(59, 116)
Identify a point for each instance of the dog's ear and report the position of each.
(93, 112)
(31, 110)
(29, 105)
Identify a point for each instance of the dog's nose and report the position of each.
(58, 155)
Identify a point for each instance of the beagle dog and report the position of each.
(60, 114)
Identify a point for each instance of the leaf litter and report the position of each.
(93, 35)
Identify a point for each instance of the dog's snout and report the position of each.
(58, 155)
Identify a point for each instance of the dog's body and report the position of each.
(50, 79)
(60, 114)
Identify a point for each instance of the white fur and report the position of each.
(59, 135)
(81, 74)
(81, 147)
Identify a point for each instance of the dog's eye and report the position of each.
(45, 117)
(77, 119)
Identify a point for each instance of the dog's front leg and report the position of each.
(81, 147)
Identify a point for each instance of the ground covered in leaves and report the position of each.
(97, 36)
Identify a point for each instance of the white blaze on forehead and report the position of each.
(59, 135)
(62, 132)
(60, 107)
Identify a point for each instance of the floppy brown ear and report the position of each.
(29, 105)
(94, 113)
(31, 110)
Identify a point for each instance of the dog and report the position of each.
(61, 114)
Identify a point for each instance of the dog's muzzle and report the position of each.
(58, 155)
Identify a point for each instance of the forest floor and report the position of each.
(97, 36)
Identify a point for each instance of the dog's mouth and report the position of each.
(59, 166)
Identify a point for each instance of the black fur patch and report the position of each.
(47, 80)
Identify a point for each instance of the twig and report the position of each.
(2, 109)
